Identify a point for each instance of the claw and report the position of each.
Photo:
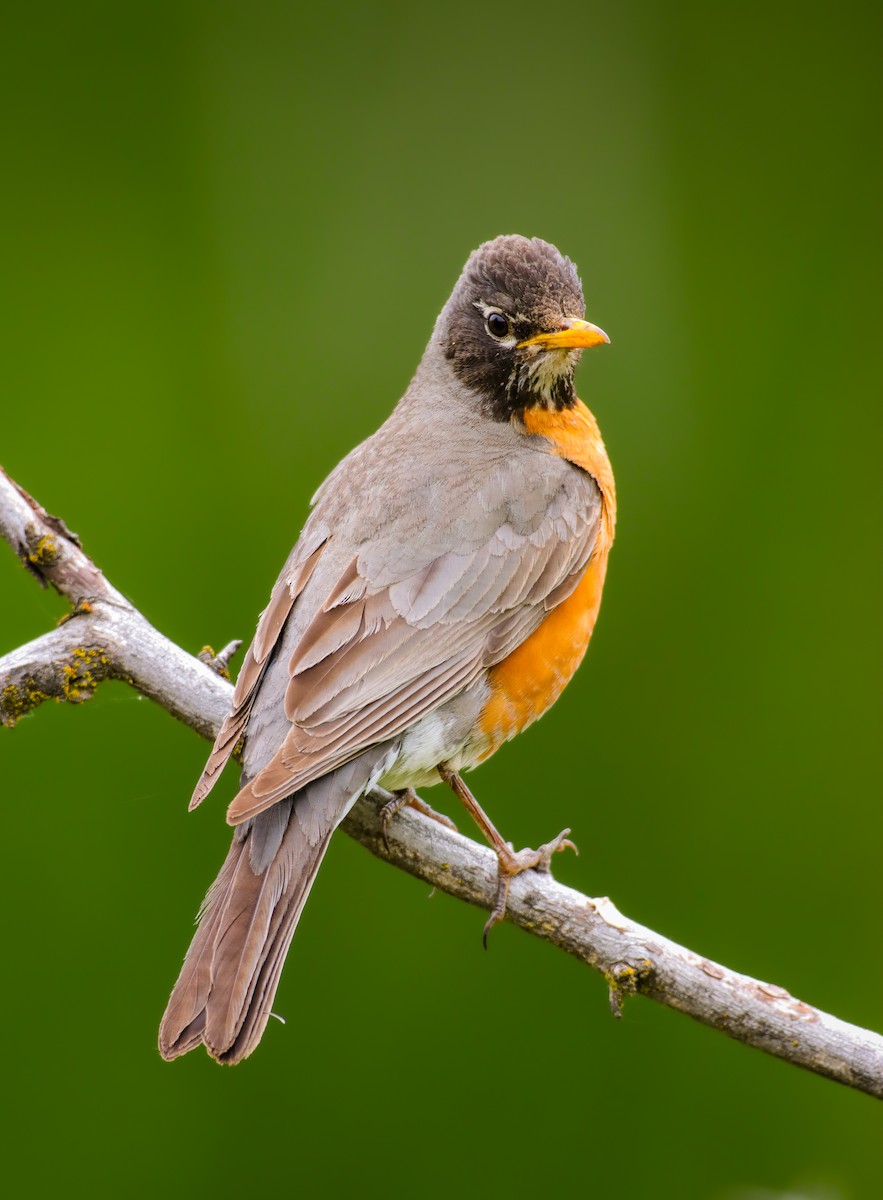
(408, 798)
(561, 842)
(387, 812)
(498, 912)
(512, 863)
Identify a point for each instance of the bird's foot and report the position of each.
(511, 863)
(408, 798)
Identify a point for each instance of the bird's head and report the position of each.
(514, 326)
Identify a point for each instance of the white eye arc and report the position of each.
(497, 323)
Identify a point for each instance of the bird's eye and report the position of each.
(497, 325)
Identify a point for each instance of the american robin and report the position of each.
(442, 593)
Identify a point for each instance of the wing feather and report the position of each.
(294, 578)
(407, 622)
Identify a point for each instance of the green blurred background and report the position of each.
(228, 229)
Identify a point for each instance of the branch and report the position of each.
(105, 637)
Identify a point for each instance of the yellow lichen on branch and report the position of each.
(72, 677)
(17, 700)
(44, 552)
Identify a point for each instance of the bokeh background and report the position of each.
(227, 230)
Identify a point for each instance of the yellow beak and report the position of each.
(575, 335)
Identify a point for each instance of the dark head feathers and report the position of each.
(529, 274)
(534, 287)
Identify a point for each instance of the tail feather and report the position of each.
(225, 991)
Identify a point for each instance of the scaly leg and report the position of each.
(510, 862)
(406, 798)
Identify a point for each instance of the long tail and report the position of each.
(225, 991)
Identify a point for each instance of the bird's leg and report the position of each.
(510, 862)
(406, 798)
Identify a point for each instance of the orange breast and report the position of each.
(532, 678)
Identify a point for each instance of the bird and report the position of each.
(440, 596)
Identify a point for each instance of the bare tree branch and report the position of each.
(105, 637)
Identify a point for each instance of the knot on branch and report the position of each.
(83, 608)
(40, 552)
(39, 549)
(220, 662)
(43, 551)
(626, 979)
